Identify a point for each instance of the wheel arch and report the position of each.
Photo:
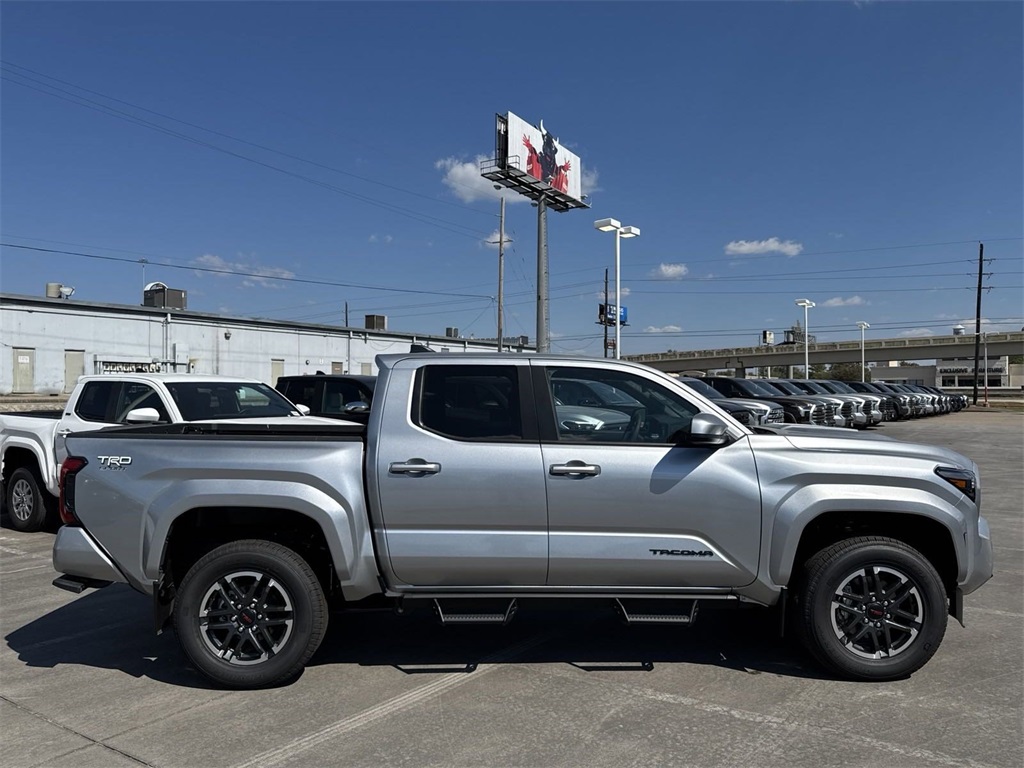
(932, 538)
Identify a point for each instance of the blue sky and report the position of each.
(850, 153)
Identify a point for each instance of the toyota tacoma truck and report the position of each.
(32, 447)
(472, 489)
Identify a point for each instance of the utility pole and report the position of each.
(977, 321)
(501, 277)
(605, 323)
(346, 314)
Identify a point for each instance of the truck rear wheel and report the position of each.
(28, 504)
(871, 608)
(250, 614)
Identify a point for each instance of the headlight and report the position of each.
(962, 479)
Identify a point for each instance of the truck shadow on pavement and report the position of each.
(112, 629)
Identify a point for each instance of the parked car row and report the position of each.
(825, 402)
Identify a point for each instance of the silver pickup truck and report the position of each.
(480, 483)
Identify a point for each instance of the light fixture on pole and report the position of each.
(863, 326)
(806, 304)
(611, 225)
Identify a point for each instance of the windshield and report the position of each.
(703, 388)
(749, 386)
(786, 387)
(841, 386)
(815, 387)
(205, 400)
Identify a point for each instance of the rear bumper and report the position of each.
(75, 553)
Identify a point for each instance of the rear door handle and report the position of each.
(414, 467)
(575, 468)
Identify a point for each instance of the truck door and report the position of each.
(458, 476)
(626, 505)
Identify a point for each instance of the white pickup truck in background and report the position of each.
(32, 447)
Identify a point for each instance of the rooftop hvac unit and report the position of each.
(159, 295)
(377, 322)
(53, 290)
(451, 333)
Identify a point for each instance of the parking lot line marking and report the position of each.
(771, 721)
(30, 568)
(23, 553)
(397, 704)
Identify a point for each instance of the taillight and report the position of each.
(68, 470)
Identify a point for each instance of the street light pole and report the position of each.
(612, 225)
(806, 304)
(863, 371)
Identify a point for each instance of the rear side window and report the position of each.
(469, 402)
(97, 400)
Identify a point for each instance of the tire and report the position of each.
(892, 614)
(29, 506)
(222, 619)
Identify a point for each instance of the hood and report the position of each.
(809, 438)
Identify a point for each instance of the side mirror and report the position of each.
(355, 407)
(706, 430)
(303, 409)
(142, 416)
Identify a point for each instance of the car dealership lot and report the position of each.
(84, 682)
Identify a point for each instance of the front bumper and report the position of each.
(75, 553)
(982, 562)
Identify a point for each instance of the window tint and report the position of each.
(94, 404)
(597, 405)
(303, 392)
(338, 394)
(137, 395)
(199, 401)
(469, 402)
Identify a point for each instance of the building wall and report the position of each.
(45, 344)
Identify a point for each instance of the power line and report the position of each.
(238, 273)
(110, 111)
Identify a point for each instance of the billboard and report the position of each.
(537, 152)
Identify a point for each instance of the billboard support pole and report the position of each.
(543, 344)
(501, 277)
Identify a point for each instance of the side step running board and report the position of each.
(465, 616)
(666, 611)
(78, 584)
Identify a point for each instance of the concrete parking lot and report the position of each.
(84, 682)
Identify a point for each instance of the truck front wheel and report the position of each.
(27, 503)
(871, 608)
(250, 614)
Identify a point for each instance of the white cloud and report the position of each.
(624, 292)
(771, 245)
(588, 182)
(670, 271)
(916, 332)
(253, 275)
(464, 180)
(491, 241)
(839, 301)
(663, 329)
(837, 235)
(373, 238)
(378, 239)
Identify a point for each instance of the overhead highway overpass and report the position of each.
(877, 350)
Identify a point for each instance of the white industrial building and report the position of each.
(47, 343)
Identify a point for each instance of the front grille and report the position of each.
(846, 409)
(819, 415)
(830, 414)
(868, 407)
(775, 416)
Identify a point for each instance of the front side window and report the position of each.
(598, 405)
(469, 402)
(200, 401)
(136, 395)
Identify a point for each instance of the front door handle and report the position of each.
(63, 432)
(414, 467)
(575, 468)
